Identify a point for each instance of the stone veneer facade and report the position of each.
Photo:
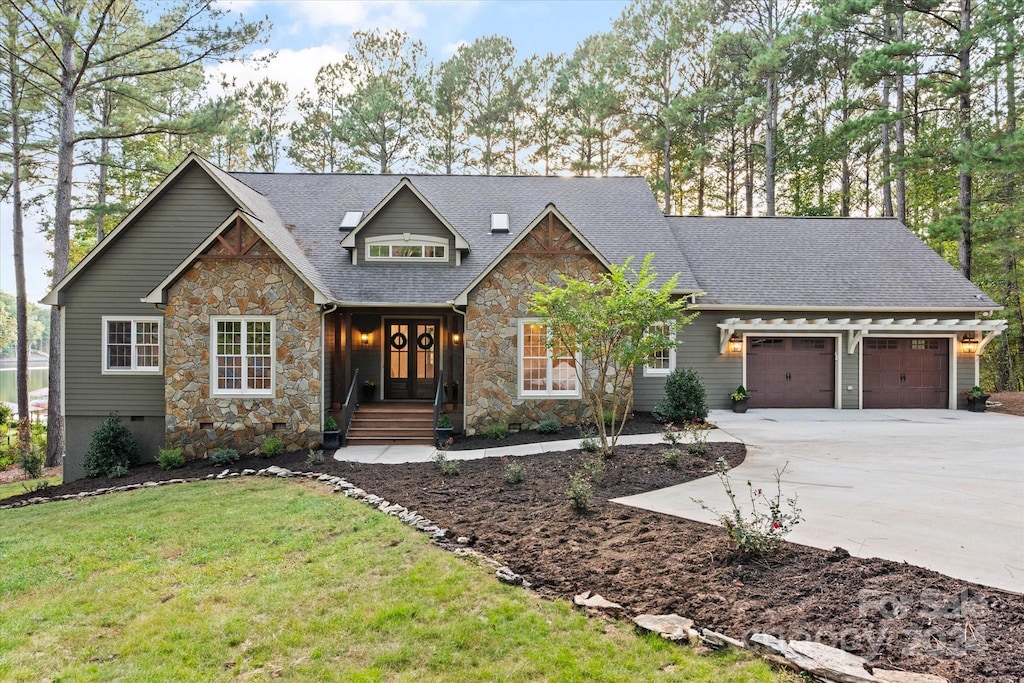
(225, 286)
(493, 311)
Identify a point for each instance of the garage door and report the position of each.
(791, 372)
(906, 373)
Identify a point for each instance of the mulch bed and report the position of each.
(896, 615)
(638, 423)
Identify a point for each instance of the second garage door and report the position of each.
(791, 372)
(906, 373)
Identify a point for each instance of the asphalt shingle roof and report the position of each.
(619, 216)
(807, 262)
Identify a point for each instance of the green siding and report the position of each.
(128, 269)
(722, 373)
(148, 431)
(404, 213)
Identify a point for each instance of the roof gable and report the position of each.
(540, 237)
(349, 240)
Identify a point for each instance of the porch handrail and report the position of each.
(438, 398)
(348, 410)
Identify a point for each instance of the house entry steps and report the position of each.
(390, 422)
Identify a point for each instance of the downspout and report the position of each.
(324, 312)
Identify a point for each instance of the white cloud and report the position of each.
(361, 14)
(448, 49)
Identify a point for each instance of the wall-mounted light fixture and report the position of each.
(365, 338)
(735, 343)
(969, 344)
(455, 338)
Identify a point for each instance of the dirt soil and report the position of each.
(896, 615)
(1013, 402)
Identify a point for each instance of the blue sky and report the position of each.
(310, 33)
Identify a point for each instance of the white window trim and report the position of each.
(410, 240)
(134, 370)
(576, 393)
(264, 393)
(662, 372)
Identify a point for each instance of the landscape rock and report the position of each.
(669, 626)
(832, 663)
(719, 640)
(590, 599)
(506, 575)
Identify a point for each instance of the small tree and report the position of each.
(614, 323)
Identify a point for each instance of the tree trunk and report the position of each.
(771, 122)
(965, 247)
(1012, 296)
(749, 180)
(886, 143)
(15, 90)
(101, 182)
(901, 137)
(61, 245)
(666, 153)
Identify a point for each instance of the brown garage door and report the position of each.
(791, 372)
(906, 373)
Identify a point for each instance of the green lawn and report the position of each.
(16, 488)
(258, 579)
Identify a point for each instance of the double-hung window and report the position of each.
(663, 361)
(543, 370)
(131, 345)
(243, 355)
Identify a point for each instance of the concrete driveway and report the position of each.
(940, 489)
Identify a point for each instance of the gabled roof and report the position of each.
(550, 209)
(350, 239)
(618, 216)
(159, 293)
(820, 263)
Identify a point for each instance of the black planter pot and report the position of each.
(977, 405)
(369, 394)
(332, 439)
(442, 434)
(739, 405)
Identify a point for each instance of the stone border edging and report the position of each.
(818, 660)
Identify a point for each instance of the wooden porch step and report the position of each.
(392, 423)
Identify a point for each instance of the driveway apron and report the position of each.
(939, 489)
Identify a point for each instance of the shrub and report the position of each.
(444, 421)
(685, 398)
(170, 458)
(580, 493)
(330, 424)
(759, 533)
(5, 414)
(315, 457)
(514, 471)
(588, 444)
(112, 449)
(32, 463)
(496, 431)
(672, 457)
(548, 427)
(449, 468)
(224, 456)
(698, 436)
(272, 446)
(593, 468)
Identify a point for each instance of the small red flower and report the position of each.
(775, 525)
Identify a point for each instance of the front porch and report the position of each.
(391, 373)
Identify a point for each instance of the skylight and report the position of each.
(351, 219)
(499, 222)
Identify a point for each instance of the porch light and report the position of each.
(365, 338)
(969, 344)
(455, 338)
(735, 343)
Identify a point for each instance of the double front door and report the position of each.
(410, 359)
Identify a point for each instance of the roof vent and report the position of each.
(351, 219)
(499, 222)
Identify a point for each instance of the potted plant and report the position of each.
(976, 399)
(739, 399)
(369, 391)
(444, 429)
(331, 433)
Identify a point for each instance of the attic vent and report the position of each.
(499, 222)
(351, 219)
